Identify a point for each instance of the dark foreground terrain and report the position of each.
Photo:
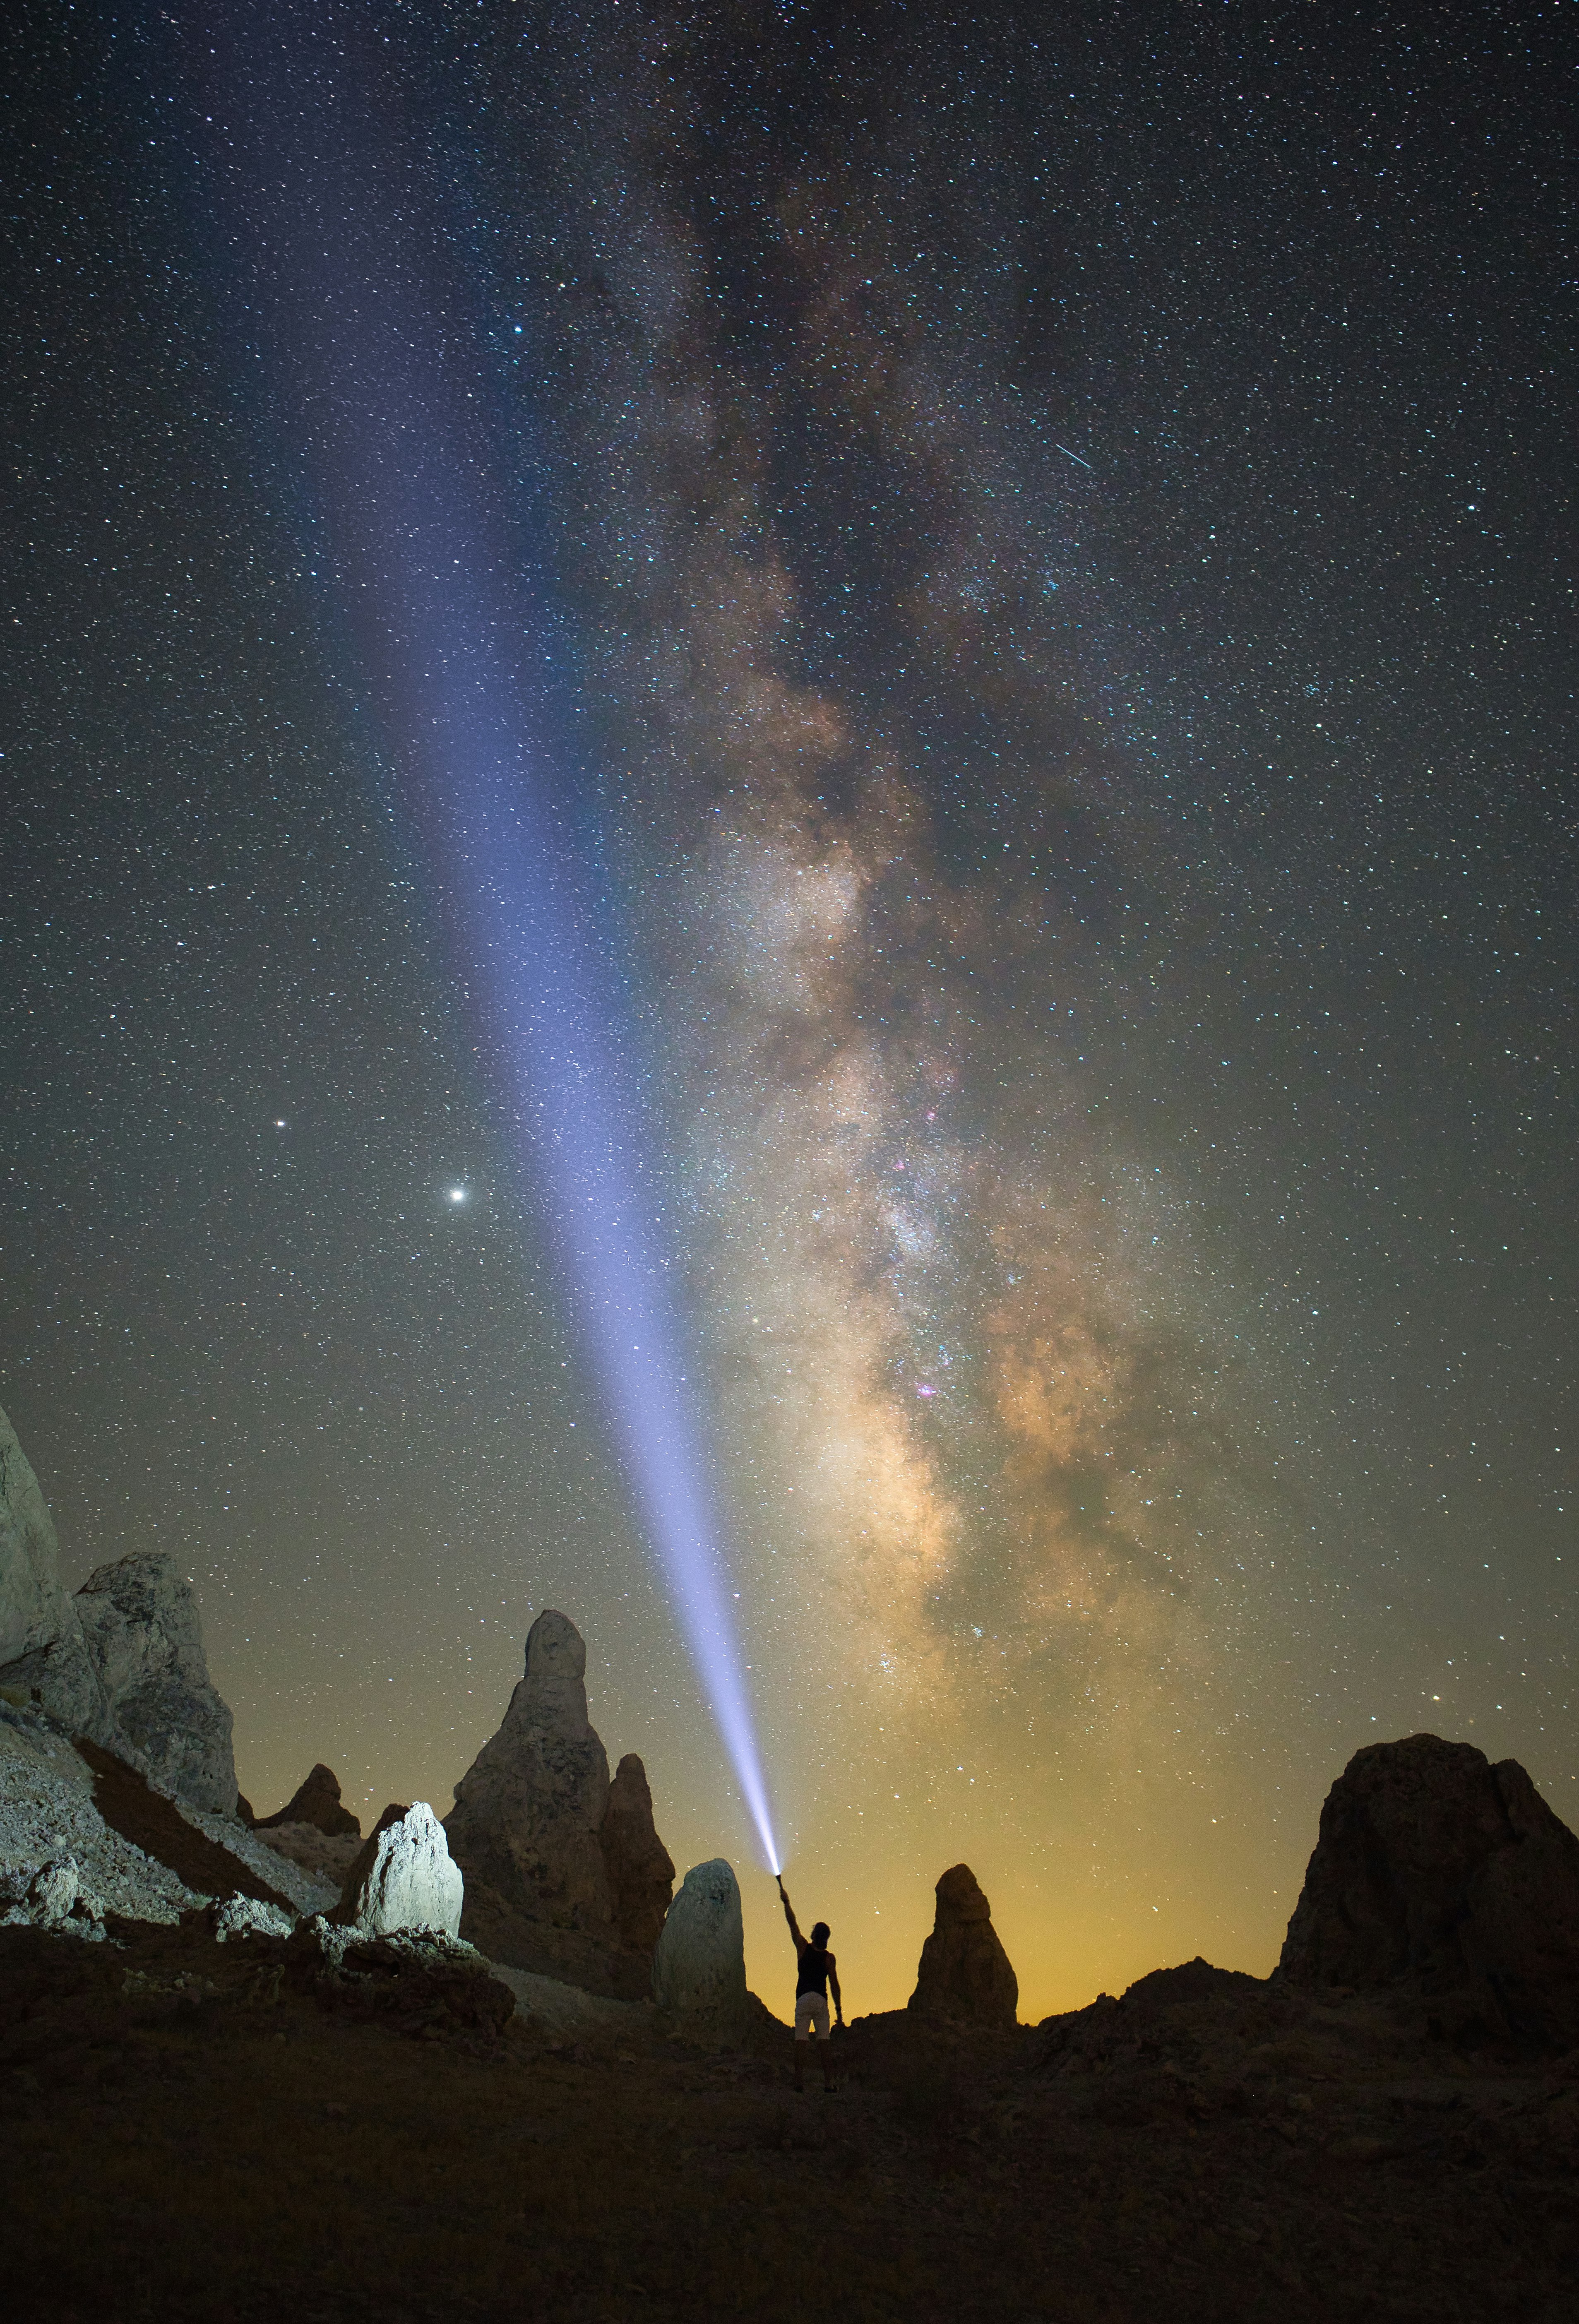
(191, 2134)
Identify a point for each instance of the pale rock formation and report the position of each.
(641, 1870)
(136, 1853)
(965, 1973)
(49, 1816)
(56, 1897)
(403, 1879)
(139, 1624)
(316, 1802)
(1437, 1871)
(248, 1916)
(528, 1814)
(43, 1656)
(122, 1662)
(698, 1968)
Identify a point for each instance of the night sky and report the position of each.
(1048, 541)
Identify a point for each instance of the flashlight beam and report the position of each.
(354, 273)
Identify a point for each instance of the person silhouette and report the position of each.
(816, 1972)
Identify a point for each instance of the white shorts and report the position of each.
(811, 2016)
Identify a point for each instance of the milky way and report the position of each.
(1057, 550)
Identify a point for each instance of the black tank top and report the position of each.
(814, 1971)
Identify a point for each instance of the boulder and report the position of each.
(528, 1815)
(698, 1967)
(43, 1656)
(641, 1870)
(416, 1980)
(404, 1878)
(139, 1620)
(965, 1973)
(240, 1917)
(316, 1802)
(55, 1897)
(1435, 1870)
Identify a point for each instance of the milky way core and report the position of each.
(1036, 558)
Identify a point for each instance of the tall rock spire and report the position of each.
(528, 1812)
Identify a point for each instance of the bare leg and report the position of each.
(801, 2061)
(827, 2047)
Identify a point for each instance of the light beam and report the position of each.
(355, 274)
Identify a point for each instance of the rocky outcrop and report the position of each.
(640, 1868)
(122, 1662)
(79, 1810)
(565, 1876)
(239, 1917)
(139, 1624)
(528, 1814)
(415, 1981)
(965, 1973)
(698, 1968)
(404, 1878)
(43, 1656)
(1435, 1869)
(317, 1802)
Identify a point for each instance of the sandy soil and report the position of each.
(189, 2136)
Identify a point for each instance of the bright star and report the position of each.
(457, 1194)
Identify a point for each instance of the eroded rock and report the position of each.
(415, 1979)
(249, 1916)
(698, 1967)
(316, 1802)
(528, 1814)
(1435, 1869)
(641, 1870)
(404, 1878)
(43, 1656)
(56, 1897)
(965, 1973)
(139, 1620)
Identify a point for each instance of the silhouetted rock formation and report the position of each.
(318, 1803)
(527, 1830)
(698, 1968)
(964, 1972)
(43, 1656)
(641, 1869)
(404, 1878)
(528, 1812)
(1433, 1868)
(139, 1624)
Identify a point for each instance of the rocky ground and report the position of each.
(191, 2133)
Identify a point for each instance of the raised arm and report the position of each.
(789, 1917)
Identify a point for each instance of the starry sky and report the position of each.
(1049, 542)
